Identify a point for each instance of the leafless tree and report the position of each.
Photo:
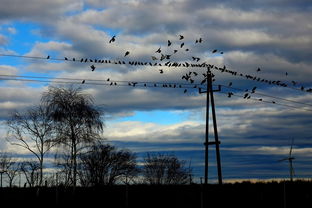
(12, 171)
(31, 170)
(76, 120)
(106, 165)
(33, 131)
(165, 169)
(5, 163)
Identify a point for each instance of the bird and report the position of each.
(214, 51)
(74, 59)
(158, 50)
(112, 39)
(66, 58)
(230, 84)
(92, 67)
(83, 81)
(198, 40)
(107, 79)
(286, 73)
(175, 51)
(221, 52)
(230, 94)
(246, 95)
(185, 90)
(181, 37)
(253, 89)
(182, 44)
(161, 71)
(258, 69)
(48, 57)
(169, 43)
(154, 58)
(127, 53)
(187, 49)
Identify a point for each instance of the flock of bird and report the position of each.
(159, 57)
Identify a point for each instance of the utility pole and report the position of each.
(209, 92)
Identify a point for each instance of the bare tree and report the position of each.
(76, 120)
(31, 170)
(165, 169)
(106, 165)
(12, 171)
(32, 131)
(5, 163)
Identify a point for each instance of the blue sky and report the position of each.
(275, 36)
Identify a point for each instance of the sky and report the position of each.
(273, 35)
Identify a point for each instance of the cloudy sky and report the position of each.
(273, 35)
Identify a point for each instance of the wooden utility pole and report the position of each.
(209, 92)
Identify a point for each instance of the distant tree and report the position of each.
(31, 170)
(33, 131)
(5, 163)
(165, 169)
(76, 120)
(12, 171)
(106, 165)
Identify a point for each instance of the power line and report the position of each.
(265, 95)
(138, 84)
(269, 102)
(167, 64)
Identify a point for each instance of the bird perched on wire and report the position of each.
(112, 39)
(127, 53)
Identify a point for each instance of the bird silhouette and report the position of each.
(92, 67)
(66, 58)
(112, 39)
(182, 44)
(187, 49)
(181, 37)
(169, 43)
(74, 59)
(286, 73)
(48, 57)
(230, 94)
(175, 51)
(214, 51)
(253, 89)
(230, 84)
(158, 50)
(83, 81)
(161, 71)
(246, 95)
(127, 53)
(258, 69)
(154, 58)
(107, 79)
(185, 90)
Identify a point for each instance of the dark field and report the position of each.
(296, 194)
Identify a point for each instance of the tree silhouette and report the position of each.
(31, 171)
(106, 165)
(33, 131)
(5, 163)
(165, 169)
(75, 119)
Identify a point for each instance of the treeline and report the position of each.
(67, 124)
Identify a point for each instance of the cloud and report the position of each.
(38, 10)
